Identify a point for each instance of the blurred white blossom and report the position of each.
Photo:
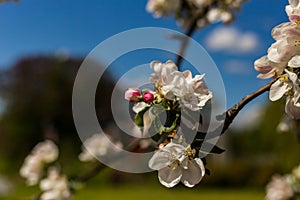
(286, 124)
(98, 145)
(55, 186)
(175, 163)
(42, 153)
(280, 188)
(163, 8)
(187, 11)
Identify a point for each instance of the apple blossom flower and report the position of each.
(163, 8)
(43, 153)
(133, 94)
(55, 186)
(138, 107)
(279, 188)
(293, 10)
(96, 146)
(267, 68)
(175, 163)
(292, 107)
(294, 62)
(186, 11)
(215, 15)
(175, 85)
(286, 124)
(161, 71)
(287, 43)
(288, 84)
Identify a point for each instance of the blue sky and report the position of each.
(33, 27)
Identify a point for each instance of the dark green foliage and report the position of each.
(37, 93)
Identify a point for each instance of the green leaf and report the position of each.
(139, 117)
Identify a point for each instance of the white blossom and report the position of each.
(162, 8)
(32, 168)
(267, 68)
(174, 164)
(184, 13)
(279, 188)
(286, 124)
(287, 84)
(175, 85)
(55, 186)
(138, 107)
(98, 145)
(293, 10)
(287, 43)
(214, 15)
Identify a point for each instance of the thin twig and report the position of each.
(132, 146)
(234, 110)
(190, 31)
(91, 173)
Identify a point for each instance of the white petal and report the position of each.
(214, 15)
(292, 110)
(138, 107)
(171, 65)
(294, 62)
(277, 90)
(169, 176)
(294, 3)
(293, 77)
(194, 172)
(160, 159)
(175, 149)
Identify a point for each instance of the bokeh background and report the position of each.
(42, 45)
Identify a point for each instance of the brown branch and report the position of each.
(91, 173)
(132, 146)
(234, 110)
(190, 31)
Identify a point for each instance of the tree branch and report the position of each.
(234, 110)
(190, 31)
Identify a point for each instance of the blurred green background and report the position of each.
(36, 104)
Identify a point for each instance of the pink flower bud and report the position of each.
(133, 94)
(294, 18)
(148, 97)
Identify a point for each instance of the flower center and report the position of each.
(284, 78)
(189, 152)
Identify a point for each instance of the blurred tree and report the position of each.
(37, 95)
(254, 155)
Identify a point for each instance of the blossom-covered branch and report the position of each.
(284, 187)
(194, 14)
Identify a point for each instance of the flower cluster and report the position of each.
(55, 186)
(96, 146)
(204, 11)
(159, 112)
(284, 187)
(173, 86)
(32, 168)
(283, 62)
